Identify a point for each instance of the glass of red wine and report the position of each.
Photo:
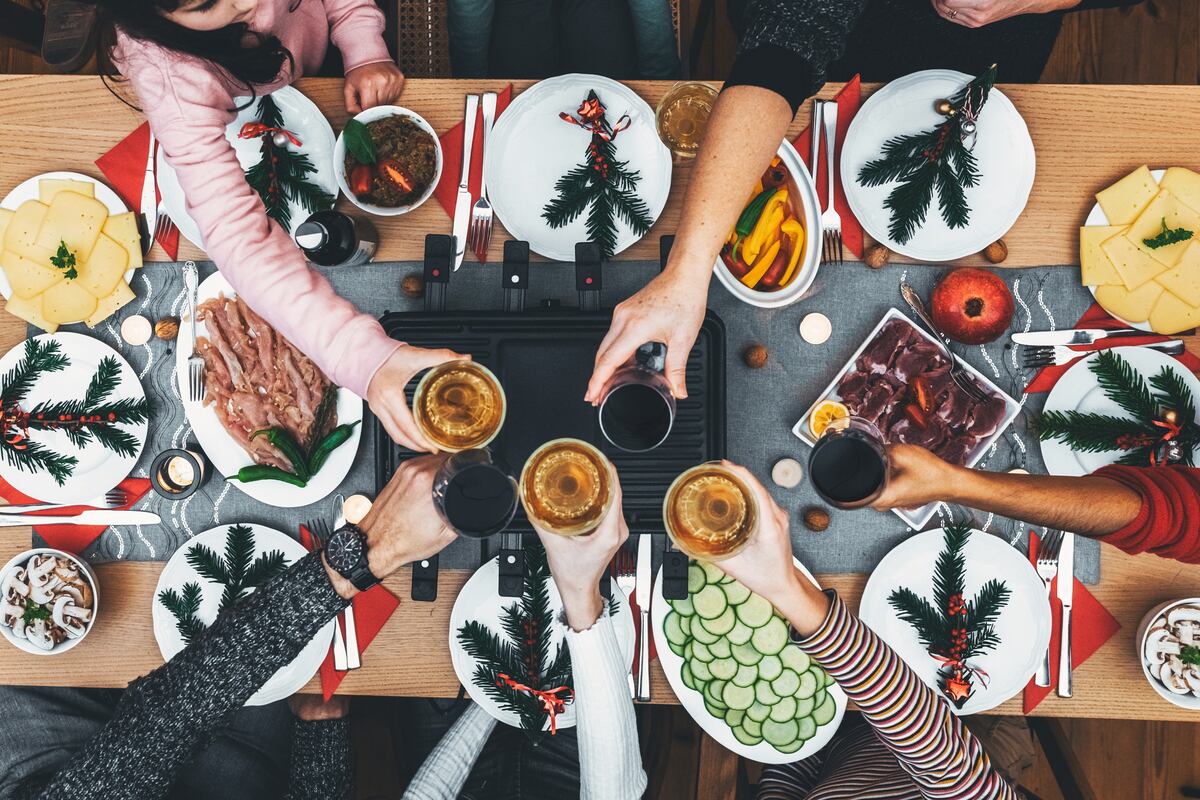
(638, 409)
(475, 493)
(849, 464)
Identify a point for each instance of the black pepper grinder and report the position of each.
(333, 239)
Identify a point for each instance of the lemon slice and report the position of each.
(826, 412)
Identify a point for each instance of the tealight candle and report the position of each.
(176, 474)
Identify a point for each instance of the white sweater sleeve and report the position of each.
(446, 769)
(610, 761)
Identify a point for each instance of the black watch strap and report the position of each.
(347, 554)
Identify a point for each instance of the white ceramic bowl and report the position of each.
(339, 160)
(88, 575)
(804, 195)
(1188, 701)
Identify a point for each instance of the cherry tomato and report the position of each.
(396, 174)
(361, 179)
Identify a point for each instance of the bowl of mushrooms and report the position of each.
(47, 601)
(1169, 637)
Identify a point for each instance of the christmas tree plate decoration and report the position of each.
(74, 417)
(214, 570)
(935, 187)
(485, 645)
(288, 126)
(965, 610)
(1127, 405)
(561, 169)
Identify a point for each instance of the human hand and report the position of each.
(371, 85)
(314, 708)
(385, 393)
(668, 309)
(977, 13)
(916, 477)
(403, 525)
(578, 562)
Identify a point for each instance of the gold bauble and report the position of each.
(944, 107)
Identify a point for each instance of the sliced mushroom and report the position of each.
(72, 591)
(40, 635)
(1160, 644)
(65, 571)
(69, 622)
(15, 585)
(40, 570)
(44, 593)
(18, 629)
(1174, 681)
(1183, 614)
(86, 590)
(1192, 678)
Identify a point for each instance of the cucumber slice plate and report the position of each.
(698, 632)
(823, 714)
(771, 638)
(735, 592)
(755, 612)
(722, 624)
(720, 648)
(740, 634)
(787, 683)
(758, 712)
(723, 668)
(696, 579)
(805, 687)
(770, 668)
(745, 654)
(672, 629)
(745, 737)
(746, 675)
(683, 606)
(784, 710)
(710, 602)
(780, 733)
(808, 727)
(739, 697)
(700, 672)
(712, 573)
(700, 652)
(795, 659)
(751, 726)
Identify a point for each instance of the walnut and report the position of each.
(413, 286)
(167, 328)
(755, 356)
(996, 252)
(816, 518)
(877, 256)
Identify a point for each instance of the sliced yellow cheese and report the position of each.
(1165, 207)
(6, 216)
(123, 229)
(28, 277)
(1097, 268)
(1130, 306)
(22, 230)
(1124, 200)
(74, 220)
(30, 311)
(49, 187)
(67, 302)
(100, 273)
(109, 305)
(1184, 184)
(1183, 280)
(1130, 262)
(1172, 315)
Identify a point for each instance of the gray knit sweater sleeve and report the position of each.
(321, 761)
(788, 44)
(166, 716)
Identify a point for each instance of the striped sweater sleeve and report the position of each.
(931, 744)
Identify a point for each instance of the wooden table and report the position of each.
(1086, 137)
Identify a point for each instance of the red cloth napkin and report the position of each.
(1097, 317)
(1091, 627)
(372, 609)
(125, 168)
(452, 142)
(848, 101)
(73, 538)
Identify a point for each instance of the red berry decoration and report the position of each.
(972, 305)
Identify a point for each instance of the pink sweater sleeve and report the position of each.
(356, 29)
(187, 108)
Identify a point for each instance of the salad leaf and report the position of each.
(358, 142)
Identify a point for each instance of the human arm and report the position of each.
(321, 764)
(977, 13)
(447, 767)
(372, 77)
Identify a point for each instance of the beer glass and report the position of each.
(710, 513)
(459, 405)
(567, 487)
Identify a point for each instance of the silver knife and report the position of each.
(149, 204)
(644, 590)
(1073, 336)
(462, 206)
(353, 657)
(90, 517)
(1065, 588)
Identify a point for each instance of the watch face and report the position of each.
(345, 550)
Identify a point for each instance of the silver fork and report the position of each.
(163, 226)
(623, 568)
(831, 221)
(1057, 355)
(956, 371)
(113, 498)
(320, 529)
(195, 363)
(479, 235)
(1047, 568)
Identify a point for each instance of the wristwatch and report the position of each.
(346, 552)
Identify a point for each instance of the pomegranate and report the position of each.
(972, 305)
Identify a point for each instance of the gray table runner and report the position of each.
(763, 404)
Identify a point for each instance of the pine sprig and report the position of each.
(185, 608)
(237, 571)
(1174, 393)
(951, 564)
(1124, 385)
(41, 356)
(929, 623)
(280, 176)
(36, 457)
(1089, 432)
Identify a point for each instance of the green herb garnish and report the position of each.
(64, 259)
(1168, 236)
(34, 612)
(358, 142)
(1190, 654)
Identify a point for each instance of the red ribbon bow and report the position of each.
(1173, 429)
(252, 130)
(591, 118)
(551, 702)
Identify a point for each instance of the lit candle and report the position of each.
(176, 474)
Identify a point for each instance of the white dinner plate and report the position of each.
(99, 469)
(479, 602)
(1078, 390)
(228, 456)
(290, 678)
(1003, 148)
(1023, 625)
(300, 116)
(28, 190)
(717, 728)
(530, 148)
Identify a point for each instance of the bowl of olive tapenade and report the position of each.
(388, 160)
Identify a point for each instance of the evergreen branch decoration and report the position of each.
(952, 628)
(41, 356)
(1123, 384)
(185, 608)
(281, 176)
(937, 160)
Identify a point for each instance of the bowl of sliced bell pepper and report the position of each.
(770, 258)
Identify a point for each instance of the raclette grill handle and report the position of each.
(511, 561)
(515, 275)
(425, 579)
(674, 573)
(664, 250)
(439, 260)
(587, 275)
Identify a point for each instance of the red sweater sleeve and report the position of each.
(1168, 524)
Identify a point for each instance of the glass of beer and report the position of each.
(848, 465)
(710, 513)
(682, 116)
(567, 487)
(459, 405)
(475, 493)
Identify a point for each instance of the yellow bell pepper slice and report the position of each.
(767, 225)
(761, 266)
(793, 230)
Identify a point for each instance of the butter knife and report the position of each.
(148, 215)
(353, 656)
(462, 206)
(1073, 336)
(90, 517)
(1065, 589)
(644, 589)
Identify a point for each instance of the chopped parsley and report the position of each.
(1190, 654)
(64, 259)
(1168, 236)
(34, 612)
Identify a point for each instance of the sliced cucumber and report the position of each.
(740, 697)
(790, 747)
(818, 674)
(700, 672)
(757, 712)
(696, 579)
(804, 707)
(823, 714)
(806, 687)
(780, 733)
(770, 668)
(727, 579)
(712, 573)
(746, 675)
(675, 634)
(734, 716)
(685, 675)
(683, 606)
(795, 659)
(722, 624)
(687, 650)
(751, 726)
(712, 693)
(685, 625)
(716, 711)
(828, 679)
(787, 683)
(745, 654)
(735, 592)
(755, 612)
(740, 633)
(676, 649)
(710, 602)
(700, 633)
(784, 710)
(808, 727)
(764, 695)
(723, 668)
(770, 638)
(745, 737)
(700, 652)
(819, 697)
(720, 648)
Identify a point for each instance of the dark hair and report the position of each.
(251, 65)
